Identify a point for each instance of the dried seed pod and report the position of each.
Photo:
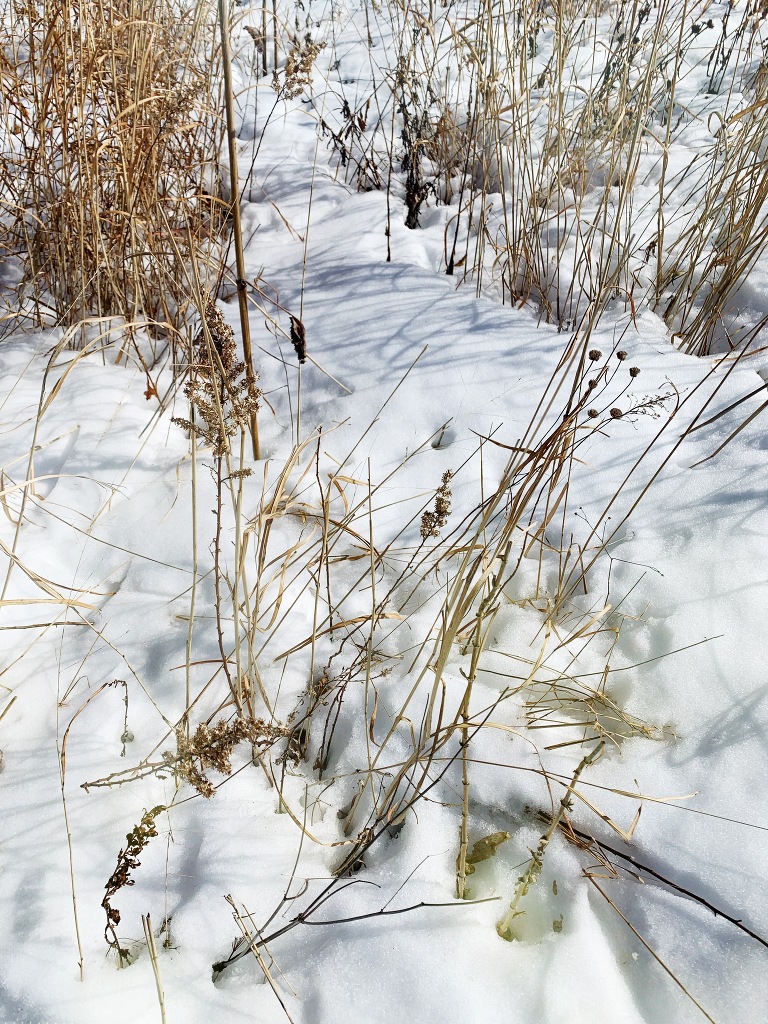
(299, 339)
(592, 413)
(634, 371)
(621, 356)
(616, 413)
(595, 354)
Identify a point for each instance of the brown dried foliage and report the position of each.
(218, 386)
(297, 75)
(127, 861)
(109, 156)
(433, 521)
(211, 747)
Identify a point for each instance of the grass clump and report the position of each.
(109, 149)
(577, 178)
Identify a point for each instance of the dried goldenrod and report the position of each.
(297, 74)
(218, 387)
(433, 521)
(210, 748)
(127, 861)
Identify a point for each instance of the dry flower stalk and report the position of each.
(433, 521)
(298, 69)
(218, 388)
(127, 860)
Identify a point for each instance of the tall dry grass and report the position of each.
(110, 137)
(591, 153)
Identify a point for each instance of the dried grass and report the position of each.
(110, 136)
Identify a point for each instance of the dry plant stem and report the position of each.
(239, 581)
(461, 869)
(370, 713)
(70, 853)
(650, 949)
(152, 948)
(234, 687)
(485, 616)
(253, 947)
(62, 780)
(665, 164)
(223, 390)
(274, 33)
(237, 232)
(304, 267)
(598, 848)
(193, 593)
(304, 918)
(532, 872)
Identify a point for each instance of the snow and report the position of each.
(409, 371)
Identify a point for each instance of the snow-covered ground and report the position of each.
(108, 521)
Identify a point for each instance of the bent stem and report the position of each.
(532, 872)
(152, 948)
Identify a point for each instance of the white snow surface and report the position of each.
(109, 521)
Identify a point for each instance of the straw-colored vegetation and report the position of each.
(557, 155)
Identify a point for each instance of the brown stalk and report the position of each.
(237, 231)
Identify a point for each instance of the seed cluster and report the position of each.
(218, 388)
(298, 68)
(432, 522)
(210, 748)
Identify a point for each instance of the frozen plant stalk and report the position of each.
(531, 874)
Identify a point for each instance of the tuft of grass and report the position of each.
(109, 149)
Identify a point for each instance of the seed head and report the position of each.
(633, 371)
(299, 339)
(621, 356)
(595, 354)
(432, 522)
(616, 413)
